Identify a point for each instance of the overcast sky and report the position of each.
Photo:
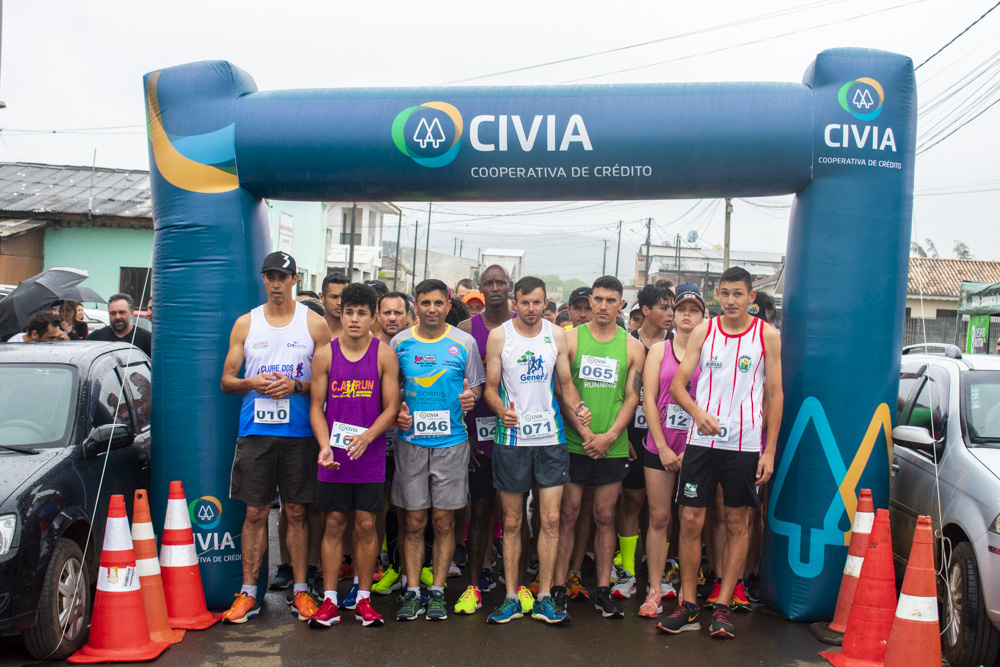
(77, 67)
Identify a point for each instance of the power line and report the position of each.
(953, 39)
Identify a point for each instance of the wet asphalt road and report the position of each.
(275, 638)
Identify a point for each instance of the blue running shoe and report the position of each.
(487, 582)
(508, 611)
(546, 610)
(350, 600)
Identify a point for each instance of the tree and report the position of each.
(917, 250)
(962, 251)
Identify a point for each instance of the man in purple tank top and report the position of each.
(356, 377)
(495, 284)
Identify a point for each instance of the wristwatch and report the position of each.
(298, 387)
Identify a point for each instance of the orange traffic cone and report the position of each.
(868, 626)
(915, 640)
(148, 565)
(833, 632)
(179, 568)
(118, 631)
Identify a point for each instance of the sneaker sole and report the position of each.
(501, 621)
(744, 607)
(387, 591)
(279, 586)
(243, 619)
(365, 624)
(722, 633)
(410, 618)
(579, 596)
(316, 623)
(610, 614)
(690, 627)
(656, 614)
(550, 621)
(299, 616)
(619, 595)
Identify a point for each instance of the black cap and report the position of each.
(279, 261)
(689, 292)
(579, 293)
(379, 286)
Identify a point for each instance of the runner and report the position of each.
(442, 375)
(333, 285)
(481, 425)
(276, 450)
(663, 446)
(524, 358)
(356, 377)
(740, 359)
(607, 371)
(579, 307)
(474, 301)
(657, 309)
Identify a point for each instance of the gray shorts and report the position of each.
(428, 477)
(516, 468)
(265, 463)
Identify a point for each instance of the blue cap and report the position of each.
(689, 292)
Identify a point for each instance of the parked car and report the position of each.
(946, 464)
(66, 410)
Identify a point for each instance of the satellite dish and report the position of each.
(692, 236)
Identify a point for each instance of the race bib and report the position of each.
(431, 423)
(390, 437)
(339, 433)
(486, 428)
(598, 369)
(676, 418)
(640, 417)
(700, 438)
(536, 424)
(270, 410)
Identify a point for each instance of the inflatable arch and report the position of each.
(842, 141)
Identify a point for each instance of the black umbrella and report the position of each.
(41, 291)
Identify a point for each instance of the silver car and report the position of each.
(948, 420)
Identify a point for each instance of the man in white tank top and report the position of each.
(275, 342)
(740, 361)
(525, 357)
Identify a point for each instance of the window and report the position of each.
(140, 386)
(105, 391)
(345, 234)
(135, 282)
(928, 410)
(38, 404)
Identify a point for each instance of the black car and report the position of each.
(74, 429)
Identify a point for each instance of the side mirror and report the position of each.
(915, 437)
(115, 435)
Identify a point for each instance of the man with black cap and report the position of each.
(276, 447)
(579, 306)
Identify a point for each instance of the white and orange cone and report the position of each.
(118, 630)
(179, 567)
(148, 566)
(915, 640)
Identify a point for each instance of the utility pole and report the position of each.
(725, 243)
(427, 244)
(618, 252)
(416, 229)
(649, 233)
(350, 260)
(454, 247)
(604, 262)
(677, 242)
(461, 248)
(399, 230)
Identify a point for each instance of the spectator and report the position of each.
(149, 309)
(121, 329)
(43, 327)
(75, 328)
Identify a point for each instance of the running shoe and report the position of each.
(326, 615)
(243, 609)
(487, 582)
(282, 579)
(618, 558)
(470, 602)
(427, 576)
(526, 598)
(673, 574)
(461, 557)
(667, 589)
(366, 615)
(651, 608)
(575, 588)
(546, 610)
(533, 586)
(532, 565)
(682, 619)
(303, 606)
(346, 569)
(314, 578)
(506, 612)
(454, 570)
(379, 571)
(740, 601)
(706, 585)
(613, 576)
(389, 582)
(605, 603)
(350, 600)
(753, 587)
(423, 597)
(437, 610)
(714, 595)
(559, 596)
(721, 626)
(624, 588)
(411, 607)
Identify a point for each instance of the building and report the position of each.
(701, 266)
(368, 220)
(933, 284)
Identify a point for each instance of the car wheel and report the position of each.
(969, 637)
(64, 606)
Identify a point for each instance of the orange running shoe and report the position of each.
(533, 586)
(346, 569)
(243, 609)
(303, 606)
(379, 570)
(575, 588)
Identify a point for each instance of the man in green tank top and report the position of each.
(606, 365)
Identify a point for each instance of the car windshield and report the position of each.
(35, 404)
(982, 398)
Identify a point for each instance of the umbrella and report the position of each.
(41, 291)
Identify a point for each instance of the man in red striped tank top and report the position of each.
(739, 357)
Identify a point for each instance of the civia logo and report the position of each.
(862, 98)
(206, 512)
(422, 133)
